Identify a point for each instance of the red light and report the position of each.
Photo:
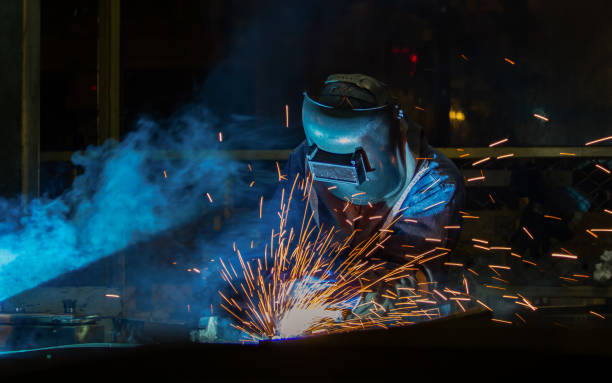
(405, 50)
(414, 58)
(93, 88)
(395, 50)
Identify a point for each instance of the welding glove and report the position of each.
(381, 298)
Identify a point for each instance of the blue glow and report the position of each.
(122, 197)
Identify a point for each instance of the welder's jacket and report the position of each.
(429, 207)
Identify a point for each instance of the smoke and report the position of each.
(160, 176)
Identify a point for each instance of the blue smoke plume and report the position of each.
(156, 178)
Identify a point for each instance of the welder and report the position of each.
(370, 166)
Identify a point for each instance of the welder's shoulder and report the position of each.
(439, 188)
(444, 167)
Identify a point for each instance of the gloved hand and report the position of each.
(382, 297)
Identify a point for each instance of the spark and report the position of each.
(569, 256)
(501, 321)
(602, 168)
(520, 317)
(435, 204)
(209, 197)
(527, 303)
(500, 248)
(567, 154)
(531, 263)
(581, 276)
(435, 182)
(452, 227)
(481, 247)
(260, 206)
(597, 314)
(251, 184)
(505, 156)
(470, 216)
(281, 177)
(460, 299)
(286, 116)
(593, 234)
(498, 142)
(527, 232)
(552, 217)
(540, 117)
(375, 217)
(332, 187)
(608, 211)
(600, 230)
(509, 61)
(220, 137)
(111, 295)
(165, 175)
(491, 197)
(356, 194)
(499, 267)
(475, 179)
(473, 272)
(453, 264)
(464, 57)
(483, 305)
(408, 220)
(598, 141)
(419, 108)
(481, 161)
(495, 287)
(515, 255)
(480, 240)
(464, 155)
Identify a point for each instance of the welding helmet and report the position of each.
(354, 139)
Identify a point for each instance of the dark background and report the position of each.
(253, 57)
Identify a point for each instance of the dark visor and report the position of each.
(336, 168)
